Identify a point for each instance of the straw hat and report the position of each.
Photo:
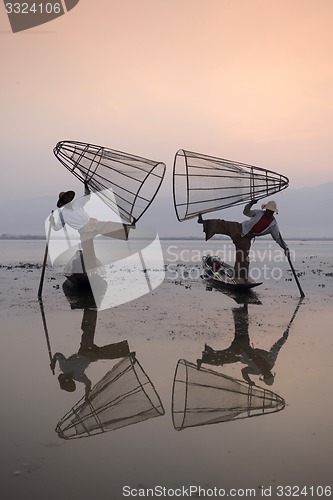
(65, 197)
(271, 205)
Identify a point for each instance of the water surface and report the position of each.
(292, 446)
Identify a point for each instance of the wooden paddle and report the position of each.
(40, 300)
(41, 283)
(295, 276)
(294, 273)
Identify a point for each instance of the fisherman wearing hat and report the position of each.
(260, 223)
(73, 213)
(73, 370)
(258, 362)
(74, 367)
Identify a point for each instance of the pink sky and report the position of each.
(248, 80)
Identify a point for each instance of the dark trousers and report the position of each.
(242, 243)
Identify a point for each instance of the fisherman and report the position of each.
(260, 223)
(73, 368)
(74, 214)
(258, 362)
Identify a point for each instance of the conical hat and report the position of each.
(65, 197)
(270, 205)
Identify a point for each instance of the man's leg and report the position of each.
(110, 351)
(242, 257)
(110, 229)
(88, 327)
(220, 226)
(242, 244)
(219, 358)
(88, 249)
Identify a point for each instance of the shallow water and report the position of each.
(292, 446)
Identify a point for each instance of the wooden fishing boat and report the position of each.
(76, 273)
(222, 275)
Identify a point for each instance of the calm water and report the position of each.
(14, 251)
(231, 438)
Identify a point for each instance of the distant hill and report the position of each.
(304, 213)
(307, 212)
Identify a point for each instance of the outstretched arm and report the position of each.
(82, 200)
(247, 209)
(55, 358)
(132, 225)
(279, 240)
(86, 188)
(56, 225)
(87, 383)
(246, 377)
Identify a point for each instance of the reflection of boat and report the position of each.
(247, 297)
(124, 396)
(85, 296)
(202, 397)
(75, 270)
(221, 274)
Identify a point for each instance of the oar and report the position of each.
(46, 332)
(295, 276)
(294, 314)
(294, 273)
(41, 283)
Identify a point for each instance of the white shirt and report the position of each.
(255, 215)
(73, 214)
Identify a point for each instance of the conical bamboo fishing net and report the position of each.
(202, 397)
(125, 396)
(126, 183)
(204, 183)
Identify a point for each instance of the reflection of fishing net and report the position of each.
(133, 182)
(204, 183)
(124, 396)
(202, 397)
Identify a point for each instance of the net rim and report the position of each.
(283, 182)
(100, 149)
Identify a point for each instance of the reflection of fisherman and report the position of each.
(261, 222)
(258, 361)
(73, 214)
(73, 368)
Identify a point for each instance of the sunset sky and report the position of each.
(247, 80)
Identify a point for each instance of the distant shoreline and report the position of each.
(27, 237)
